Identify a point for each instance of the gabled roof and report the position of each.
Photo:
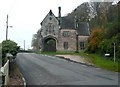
(83, 29)
(66, 23)
(69, 23)
(50, 13)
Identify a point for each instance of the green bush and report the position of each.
(107, 46)
(9, 46)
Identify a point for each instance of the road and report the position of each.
(41, 69)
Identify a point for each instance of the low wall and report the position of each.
(5, 70)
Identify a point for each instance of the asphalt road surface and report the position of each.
(39, 69)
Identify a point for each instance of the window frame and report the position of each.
(66, 33)
(65, 45)
(82, 45)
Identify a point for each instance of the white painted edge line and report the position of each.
(24, 81)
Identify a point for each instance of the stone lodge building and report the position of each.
(62, 34)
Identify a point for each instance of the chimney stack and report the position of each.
(59, 14)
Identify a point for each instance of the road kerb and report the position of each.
(83, 63)
(24, 81)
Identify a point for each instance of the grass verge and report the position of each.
(56, 53)
(102, 62)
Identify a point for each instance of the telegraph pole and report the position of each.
(7, 28)
(24, 45)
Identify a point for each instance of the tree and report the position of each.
(9, 46)
(100, 13)
(106, 46)
(83, 13)
(36, 43)
(116, 40)
(94, 40)
(113, 28)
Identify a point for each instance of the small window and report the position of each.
(50, 18)
(66, 33)
(82, 45)
(50, 28)
(65, 45)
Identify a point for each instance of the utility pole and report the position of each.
(77, 43)
(114, 52)
(24, 45)
(7, 28)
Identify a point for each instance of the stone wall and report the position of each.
(82, 39)
(50, 26)
(71, 39)
(5, 71)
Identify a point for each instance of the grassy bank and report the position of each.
(60, 53)
(96, 59)
(102, 62)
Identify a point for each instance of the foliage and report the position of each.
(0, 49)
(106, 46)
(100, 12)
(84, 13)
(94, 40)
(9, 47)
(113, 28)
(36, 41)
(102, 42)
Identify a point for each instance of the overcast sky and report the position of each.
(25, 16)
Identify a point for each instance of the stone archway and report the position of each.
(49, 45)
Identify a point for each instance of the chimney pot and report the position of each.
(59, 14)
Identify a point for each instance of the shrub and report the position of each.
(107, 46)
(94, 40)
(9, 46)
